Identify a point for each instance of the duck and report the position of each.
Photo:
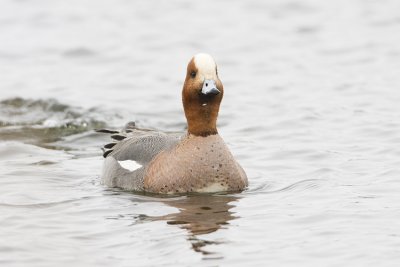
(195, 161)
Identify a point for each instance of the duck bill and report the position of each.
(209, 88)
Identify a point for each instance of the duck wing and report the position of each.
(138, 144)
(133, 144)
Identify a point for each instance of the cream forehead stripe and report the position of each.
(205, 64)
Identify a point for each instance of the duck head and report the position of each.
(201, 95)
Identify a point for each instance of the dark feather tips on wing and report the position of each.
(110, 145)
(105, 154)
(118, 137)
(106, 131)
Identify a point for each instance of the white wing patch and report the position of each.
(129, 165)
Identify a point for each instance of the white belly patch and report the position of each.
(213, 188)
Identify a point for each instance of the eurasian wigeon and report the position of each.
(195, 161)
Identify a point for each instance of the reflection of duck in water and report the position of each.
(199, 215)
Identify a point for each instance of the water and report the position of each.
(311, 111)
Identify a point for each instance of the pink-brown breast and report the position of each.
(196, 164)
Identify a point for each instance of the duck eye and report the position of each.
(193, 74)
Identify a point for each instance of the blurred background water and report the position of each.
(311, 111)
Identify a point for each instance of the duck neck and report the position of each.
(202, 129)
(202, 119)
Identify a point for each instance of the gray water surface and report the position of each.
(311, 111)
